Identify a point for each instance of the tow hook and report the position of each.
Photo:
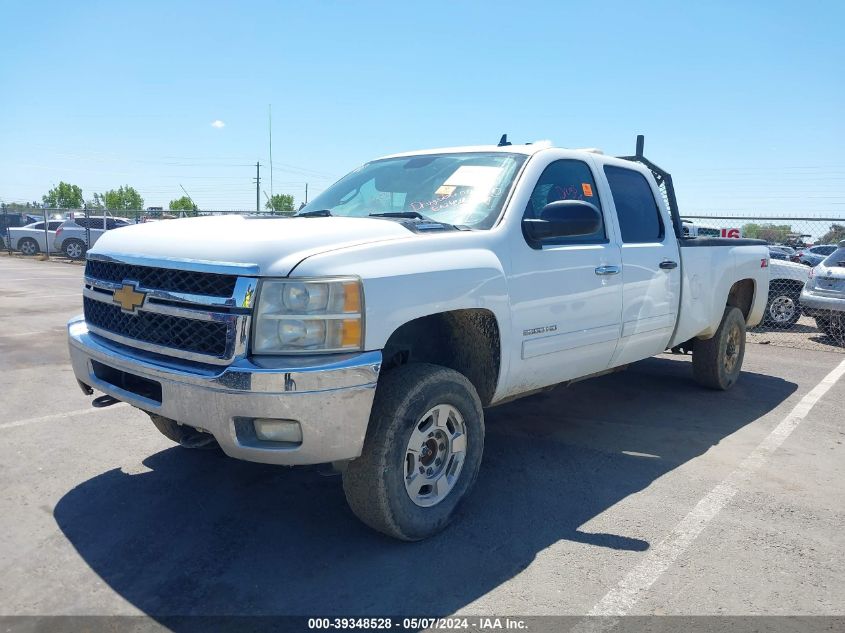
(104, 401)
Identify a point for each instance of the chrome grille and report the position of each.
(188, 310)
(176, 333)
(169, 279)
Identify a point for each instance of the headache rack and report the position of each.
(664, 181)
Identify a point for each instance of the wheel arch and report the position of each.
(465, 340)
(741, 295)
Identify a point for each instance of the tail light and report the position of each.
(58, 231)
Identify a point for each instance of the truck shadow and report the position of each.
(203, 534)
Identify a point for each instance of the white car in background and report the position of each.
(72, 240)
(786, 280)
(824, 295)
(32, 239)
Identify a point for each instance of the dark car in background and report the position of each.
(13, 220)
(814, 255)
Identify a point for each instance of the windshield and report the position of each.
(463, 189)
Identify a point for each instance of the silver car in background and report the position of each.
(823, 296)
(32, 238)
(76, 235)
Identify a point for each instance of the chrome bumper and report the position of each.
(812, 303)
(330, 396)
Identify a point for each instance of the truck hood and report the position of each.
(273, 246)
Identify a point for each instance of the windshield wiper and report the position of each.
(414, 215)
(402, 214)
(321, 213)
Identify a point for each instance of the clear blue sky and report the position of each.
(743, 102)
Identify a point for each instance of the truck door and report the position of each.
(651, 272)
(566, 295)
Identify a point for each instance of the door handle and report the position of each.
(668, 264)
(608, 270)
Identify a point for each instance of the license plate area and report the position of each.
(142, 387)
(832, 285)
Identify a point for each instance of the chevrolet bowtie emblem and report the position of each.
(128, 297)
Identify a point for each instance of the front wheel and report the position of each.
(717, 361)
(421, 454)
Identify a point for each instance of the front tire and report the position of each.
(421, 454)
(29, 247)
(717, 361)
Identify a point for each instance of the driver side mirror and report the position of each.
(563, 218)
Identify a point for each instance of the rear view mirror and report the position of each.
(563, 218)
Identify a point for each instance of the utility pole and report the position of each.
(258, 187)
(306, 193)
(270, 125)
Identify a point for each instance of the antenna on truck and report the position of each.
(504, 142)
(664, 181)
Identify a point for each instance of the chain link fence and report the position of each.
(28, 232)
(796, 245)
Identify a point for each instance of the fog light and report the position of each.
(272, 430)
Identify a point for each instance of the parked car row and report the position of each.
(72, 237)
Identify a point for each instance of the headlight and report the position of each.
(307, 316)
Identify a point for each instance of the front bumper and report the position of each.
(813, 304)
(330, 396)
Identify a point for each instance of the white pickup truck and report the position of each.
(372, 330)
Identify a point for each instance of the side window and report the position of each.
(39, 225)
(566, 179)
(54, 225)
(639, 215)
(83, 222)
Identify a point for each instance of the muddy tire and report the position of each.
(717, 361)
(421, 454)
(185, 436)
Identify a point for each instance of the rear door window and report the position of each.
(639, 215)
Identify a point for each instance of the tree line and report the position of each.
(126, 198)
(784, 233)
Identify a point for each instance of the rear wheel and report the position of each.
(783, 308)
(185, 436)
(833, 326)
(717, 361)
(73, 248)
(421, 454)
(28, 246)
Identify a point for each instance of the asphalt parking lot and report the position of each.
(634, 493)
